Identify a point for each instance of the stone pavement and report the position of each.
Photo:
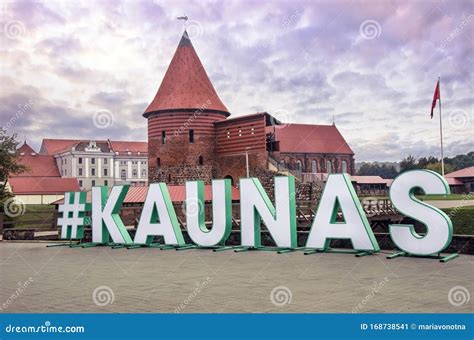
(101, 279)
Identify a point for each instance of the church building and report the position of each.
(192, 135)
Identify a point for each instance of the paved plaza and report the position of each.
(34, 278)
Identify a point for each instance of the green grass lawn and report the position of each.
(37, 216)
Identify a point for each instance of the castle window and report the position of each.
(201, 160)
(106, 182)
(314, 166)
(134, 173)
(328, 167)
(92, 160)
(93, 183)
(143, 173)
(158, 162)
(163, 137)
(93, 172)
(123, 175)
(80, 160)
(191, 136)
(228, 133)
(344, 166)
(80, 171)
(106, 172)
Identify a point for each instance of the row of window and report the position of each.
(106, 183)
(191, 135)
(105, 161)
(106, 173)
(315, 168)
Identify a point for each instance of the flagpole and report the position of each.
(441, 129)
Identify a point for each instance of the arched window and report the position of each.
(123, 174)
(201, 160)
(314, 166)
(299, 165)
(158, 162)
(328, 167)
(344, 166)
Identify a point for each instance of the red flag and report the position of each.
(436, 96)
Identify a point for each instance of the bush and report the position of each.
(462, 218)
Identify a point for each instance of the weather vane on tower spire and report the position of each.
(185, 18)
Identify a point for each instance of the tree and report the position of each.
(437, 167)
(9, 164)
(408, 163)
(374, 169)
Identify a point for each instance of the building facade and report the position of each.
(192, 136)
(99, 163)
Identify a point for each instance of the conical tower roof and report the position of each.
(186, 85)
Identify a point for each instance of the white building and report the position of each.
(99, 162)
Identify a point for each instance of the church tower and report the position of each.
(181, 117)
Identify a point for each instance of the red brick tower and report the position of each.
(181, 132)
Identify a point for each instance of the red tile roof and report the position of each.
(25, 149)
(466, 172)
(55, 146)
(453, 181)
(186, 84)
(134, 147)
(177, 194)
(38, 166)
(310, 139)
(42, 185)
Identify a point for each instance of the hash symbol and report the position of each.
(72, 220)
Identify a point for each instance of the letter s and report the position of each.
(439, 226)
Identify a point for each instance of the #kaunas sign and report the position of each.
(158, 217)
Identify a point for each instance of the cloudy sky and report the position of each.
(88, 69)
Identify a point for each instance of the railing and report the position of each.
(284, 168)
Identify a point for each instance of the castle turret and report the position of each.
(181, 117)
